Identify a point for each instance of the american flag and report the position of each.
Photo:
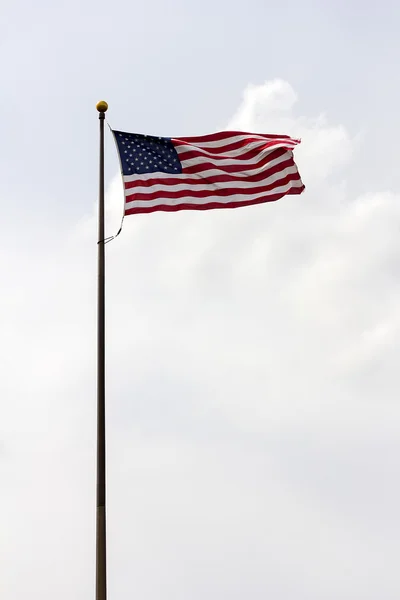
(220, 170)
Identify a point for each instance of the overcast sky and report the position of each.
(253, 412)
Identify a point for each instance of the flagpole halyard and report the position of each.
(101, 554)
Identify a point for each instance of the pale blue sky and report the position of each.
(253, 415)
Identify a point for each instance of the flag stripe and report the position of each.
(198, 165)
(145, 207)
(206, 193)
(236, 147)
(169, 191)
(177, 199)
(282, 161)
(214, 138)
(243, 155)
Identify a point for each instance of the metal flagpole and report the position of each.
(101, 556)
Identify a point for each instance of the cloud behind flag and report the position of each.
(228, 169)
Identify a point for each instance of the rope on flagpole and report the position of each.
(111, 237)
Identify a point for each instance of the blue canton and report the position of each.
(147, 154)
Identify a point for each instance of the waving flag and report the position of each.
(221, 170)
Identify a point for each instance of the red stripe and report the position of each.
(240, 178)
(221, 193)
(223, 135)
(252, 153)
(233, 145)
(205, 166)
(210, 205)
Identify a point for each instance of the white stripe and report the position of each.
(231, 140)
(199, 201)
(203, 185)
(227, 162)
(207, 173)
(182, 150)
(239, 151)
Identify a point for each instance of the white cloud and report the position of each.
(273, 99)
(270, 107)
(252, 413)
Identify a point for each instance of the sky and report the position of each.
(253, 416)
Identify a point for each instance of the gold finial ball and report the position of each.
(102, 106)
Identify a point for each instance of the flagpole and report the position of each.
(101, 555)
